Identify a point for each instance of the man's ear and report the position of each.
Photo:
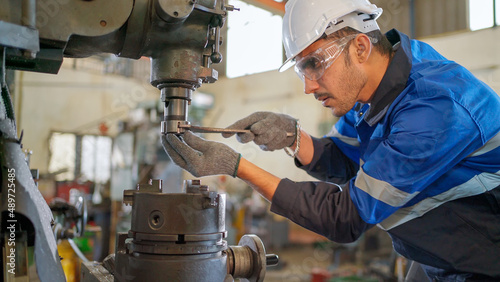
(363, 47)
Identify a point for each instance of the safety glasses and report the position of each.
(313, 65)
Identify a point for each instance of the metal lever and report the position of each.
(204, 129)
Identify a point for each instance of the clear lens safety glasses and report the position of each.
(313, 65)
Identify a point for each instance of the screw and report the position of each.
(156, 220)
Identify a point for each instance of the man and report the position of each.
(416, 150)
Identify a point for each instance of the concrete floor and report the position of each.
(304, 262)
(297, 262)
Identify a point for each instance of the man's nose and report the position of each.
(310, 86)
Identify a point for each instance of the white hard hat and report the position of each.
(306, 20)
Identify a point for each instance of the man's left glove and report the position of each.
(199, 156)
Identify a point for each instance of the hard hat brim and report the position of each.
(287, 64)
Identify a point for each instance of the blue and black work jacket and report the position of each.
(421, 161)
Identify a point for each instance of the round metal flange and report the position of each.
(168, 91)
(258, 255)
(172, 126)
(173, 11)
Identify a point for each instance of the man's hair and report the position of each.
(379, 41)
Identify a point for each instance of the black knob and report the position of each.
(216, 57)
(272, 260)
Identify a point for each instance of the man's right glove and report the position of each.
(268, 130)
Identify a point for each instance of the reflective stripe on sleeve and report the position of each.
(381, 190)
(348, 140)
(492, 144)
(477, 185)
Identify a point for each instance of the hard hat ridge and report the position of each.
(361, 22)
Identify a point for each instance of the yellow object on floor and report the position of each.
(70, 261)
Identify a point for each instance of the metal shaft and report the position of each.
(177, 100)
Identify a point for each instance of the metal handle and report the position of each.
(204, 129)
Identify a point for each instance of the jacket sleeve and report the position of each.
(322, 207)
(329, 163)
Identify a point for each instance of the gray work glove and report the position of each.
(199, 156)
(268, 130)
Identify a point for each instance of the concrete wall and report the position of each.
(74, 101)
(479, 51)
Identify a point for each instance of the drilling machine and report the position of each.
(174, 237)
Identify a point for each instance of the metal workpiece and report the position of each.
(173, 236)
(179, 237)
(174, 126)
(186, 214)
(176, 101)
(176, 108)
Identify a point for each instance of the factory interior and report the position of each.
(90, 127)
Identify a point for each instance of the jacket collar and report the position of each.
(395, 77)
